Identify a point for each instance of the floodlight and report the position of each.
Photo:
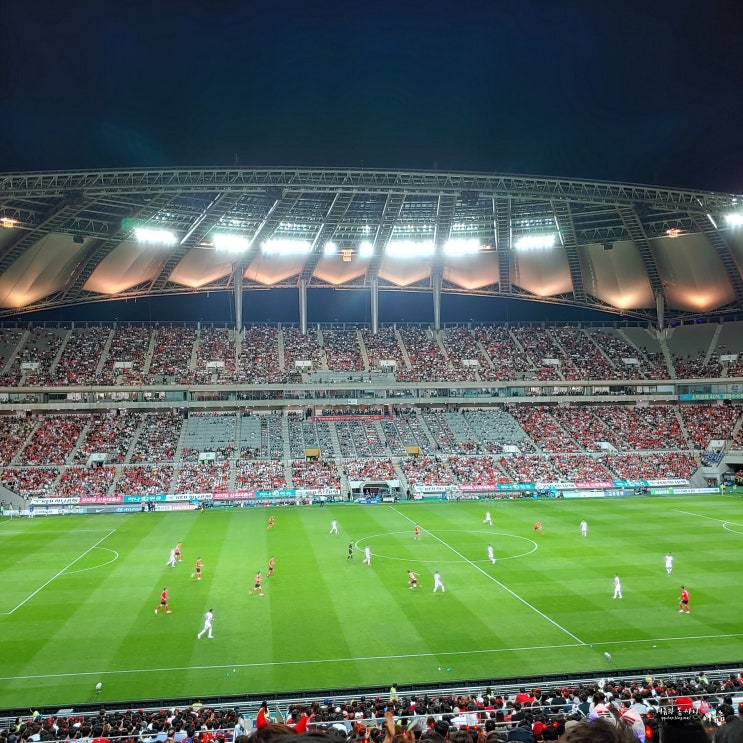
(330, 248)
(8, 222)
(155, 237)
(230, 242)
(410, 248)
(734, 219)
(286, 246)
(366, 249)
(462, 246)
(535, 242)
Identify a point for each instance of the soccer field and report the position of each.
(79, 593)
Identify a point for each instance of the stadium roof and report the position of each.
(71, 237)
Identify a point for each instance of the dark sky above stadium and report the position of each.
(641, 91)
(631, 90)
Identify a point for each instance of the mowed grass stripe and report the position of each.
(358, 625)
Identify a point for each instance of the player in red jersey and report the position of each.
(413, 580)
(271, 521)
(271, 566)
(178, 556)
(538, 527)
(257, 587)
(163, 602)
(417, 532)
(197, 569)
(684, 601)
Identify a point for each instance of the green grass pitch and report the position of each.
(79, 593)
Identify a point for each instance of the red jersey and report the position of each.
(258, 580)
(198, 566)
(164, 597)
(684, 595)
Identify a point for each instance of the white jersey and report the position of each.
(367, 555)
(617, 588)
(584, 528)
(488, 519)
(333, 527)
(208, 617)
(491, 555)
(669, 563)
(437, 582)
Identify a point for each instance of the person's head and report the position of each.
(730, 732)
(599, 731)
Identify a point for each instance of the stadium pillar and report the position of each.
(374, 290)
(303, 306)
(238, 300)
(437, 300)
(660, 309)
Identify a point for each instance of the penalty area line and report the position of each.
(495, 580)
(54, 577)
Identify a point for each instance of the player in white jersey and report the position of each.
(488, 519)
(669, 563)
(171, 559)
(617, 588)
(584, 528)
(491, 556)
(208, 618)
(333, 527)
(437, 582)
(367, 556)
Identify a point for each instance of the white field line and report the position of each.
(711, 518)
(54, 577)
(276, 664)
(495, 580)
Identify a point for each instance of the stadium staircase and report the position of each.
(713, 344)
(362, 348)
(282, 356)
(14, 356)
(60, 351)
(663, 336)
(17, 460)
(105, 351)
(285, 438)
(403, 349)
(150, 353)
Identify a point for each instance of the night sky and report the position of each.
(646, 92)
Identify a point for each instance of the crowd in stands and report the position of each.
(258, 361)
(433, 446)
(365, 469)
(171, 353)
(462, 346)
(110, 434)
(158, 437)
(53, 440)
(14, 431)
(203, 477)
(144, 479)
(186, 354)
(216, 356)
(315, 475)
(425, 356)
(426, 471)
(76, 482)
(676, 708)
(342, 350)
(260, 475)
(30, 482)
(81, 356)
(127, 352)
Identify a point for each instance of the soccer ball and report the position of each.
(98, 686)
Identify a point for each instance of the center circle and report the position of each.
(500, 541)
